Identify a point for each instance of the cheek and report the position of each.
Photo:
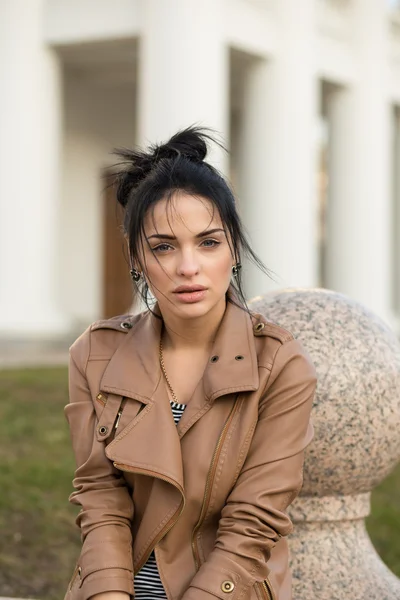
(222, 269)
(157, 274)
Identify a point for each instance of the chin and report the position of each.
(197, 310)
(193, 311)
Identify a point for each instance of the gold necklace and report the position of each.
(174, 398)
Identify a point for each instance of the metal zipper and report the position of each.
(267, 590)
(172, 520)
(77, 572)
(119, 414)
(117, 420)
(210, 477)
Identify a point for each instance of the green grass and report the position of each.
(383, 524)
(39, 541)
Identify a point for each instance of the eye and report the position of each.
(162, 248)
(210, 243)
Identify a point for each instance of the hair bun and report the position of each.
(190, 143)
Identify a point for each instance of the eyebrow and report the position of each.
(165, 236)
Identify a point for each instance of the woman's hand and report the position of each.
(111, 596)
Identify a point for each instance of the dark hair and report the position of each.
(155, 174)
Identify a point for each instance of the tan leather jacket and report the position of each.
(209, 494)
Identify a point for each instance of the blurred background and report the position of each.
(305, 95)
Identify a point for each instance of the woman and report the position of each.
(188, 421)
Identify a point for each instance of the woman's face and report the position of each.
(186, 256)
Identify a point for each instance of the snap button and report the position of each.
(126, 325)
(79, 571)
(239, 357)
(214, 359)
(227, 586)
(103, 430)
(259, 327)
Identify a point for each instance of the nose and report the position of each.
(188, 265)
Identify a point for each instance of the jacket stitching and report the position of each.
(89, 351)
(243, 452)
(224, 453)
(275, 331)
(77, 366)
(110, 576)
(156, 530)
(250, 343)
(218, 472)
(228, 390)
(134, 422)
(116, 390)
(151, 466)
(88, 571)
(148, 400)
(263, 393)
(195, 417)
(253, 572)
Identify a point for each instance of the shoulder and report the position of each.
(120, 323)
(264, 328)
(268, 338)
(102, 337)
(277, 346)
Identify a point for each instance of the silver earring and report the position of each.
(235, 269)
(136, 275)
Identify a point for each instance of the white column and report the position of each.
(395, 230)
(277, 164)
(183, 70)
(358, 249)
(30, 130)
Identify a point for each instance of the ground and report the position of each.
(39, 542)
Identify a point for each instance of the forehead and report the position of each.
(181, 213)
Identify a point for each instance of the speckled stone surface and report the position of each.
(356, 416)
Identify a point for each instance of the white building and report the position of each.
(306, 94)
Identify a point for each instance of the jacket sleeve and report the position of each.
(254, 518)
(105, 563)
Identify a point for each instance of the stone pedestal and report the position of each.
(356, 416)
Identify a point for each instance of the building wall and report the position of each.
(79, 78)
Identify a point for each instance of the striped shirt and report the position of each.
(147, 582)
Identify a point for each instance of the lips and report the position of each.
(190, 294)
(188, 289)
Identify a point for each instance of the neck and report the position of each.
(197, 333)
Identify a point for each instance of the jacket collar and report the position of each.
(134, 369)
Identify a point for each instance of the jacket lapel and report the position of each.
(149, 444)
(134, 371)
